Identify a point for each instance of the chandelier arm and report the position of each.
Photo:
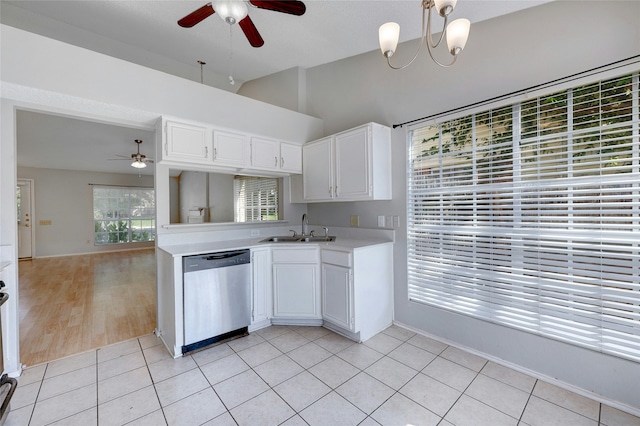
(442, 33)
(422, 36)
(437, 62)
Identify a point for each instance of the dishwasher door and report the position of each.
(217, 297)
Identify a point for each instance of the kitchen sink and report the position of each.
(299, 239)
(317, 239)
(285, 239)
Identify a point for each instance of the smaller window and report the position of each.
(255, 198)
(123, 215)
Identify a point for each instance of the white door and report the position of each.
(336, 295)
(353, 174)
(25, 218)
(317, 170)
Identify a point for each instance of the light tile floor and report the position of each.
(296, 376)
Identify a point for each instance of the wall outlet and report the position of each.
(255, 232)
(380, 221)
(388, 222)
(355, 220)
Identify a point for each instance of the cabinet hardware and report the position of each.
(206, 152)
(276, 163)
(281, 161)
(215, 153)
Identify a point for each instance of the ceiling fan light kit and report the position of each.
(138, 160)
(237, 11)
(456, 32)
(138, 164)
(231, 11)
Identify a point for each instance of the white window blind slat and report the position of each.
(534, 225)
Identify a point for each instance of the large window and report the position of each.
(123, 215)
(529, 216)
(255, 198)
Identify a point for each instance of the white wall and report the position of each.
(503, 55)
(282, 89)
(66, 199)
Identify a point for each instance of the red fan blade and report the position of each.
(292, 7)
(250, 30)
(197, 16)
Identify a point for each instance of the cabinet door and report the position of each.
(265, 153)
(185, 142)
(261, 285)
(317, 170)
(337, 295)
(353, 164)
(230, 149)
(290, 158)
(295, 291)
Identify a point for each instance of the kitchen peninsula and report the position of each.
(345, 285)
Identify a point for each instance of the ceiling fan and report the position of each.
(139, 161)
(236, 11)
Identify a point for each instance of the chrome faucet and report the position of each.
(305, 225)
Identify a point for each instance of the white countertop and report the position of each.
(344, 244)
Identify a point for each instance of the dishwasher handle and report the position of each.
(224, 255)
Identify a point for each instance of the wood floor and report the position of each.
(72, 304)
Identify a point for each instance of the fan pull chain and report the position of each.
(231, 81)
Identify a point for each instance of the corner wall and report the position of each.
(503, 55)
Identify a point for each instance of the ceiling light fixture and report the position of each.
(456, 32)
(139, 164)
(231, 11)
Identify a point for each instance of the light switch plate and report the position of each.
(355, 220)
(388, 222)
(380, 221)
(396, 221)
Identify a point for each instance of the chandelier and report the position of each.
(456, 33)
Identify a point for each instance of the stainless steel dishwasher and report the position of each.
(217, 297)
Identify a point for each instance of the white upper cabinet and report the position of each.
(265, 153)
(349, 166)
(186, 142)
(231, 149)
(226, 150)
(269, 154)
(290, 158)
(317, 170)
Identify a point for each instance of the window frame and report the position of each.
(459, 296)
(116, 223)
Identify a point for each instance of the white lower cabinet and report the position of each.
(296, 286)
(261, 310)
(357, 290)
(337, 295)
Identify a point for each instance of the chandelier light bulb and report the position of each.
(388, 35)
(445, 7)
(457, 35)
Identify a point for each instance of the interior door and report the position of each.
(25, 218)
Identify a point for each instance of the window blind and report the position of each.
(529, 215)
(256, 198)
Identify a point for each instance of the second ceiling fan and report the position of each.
(236, 11)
